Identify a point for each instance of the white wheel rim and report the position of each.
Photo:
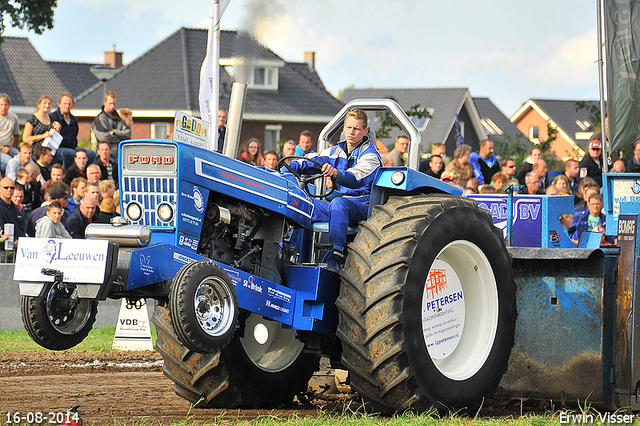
(474, 315)
(268, 345)
(213, 305)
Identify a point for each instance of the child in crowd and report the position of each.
(49, 226)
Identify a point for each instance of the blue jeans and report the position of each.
(4, 158)
(341, 213)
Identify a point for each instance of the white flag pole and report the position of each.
(210, 74)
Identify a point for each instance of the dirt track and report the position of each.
(129, 387)
(124, 386)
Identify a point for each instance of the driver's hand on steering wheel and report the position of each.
(329, 171)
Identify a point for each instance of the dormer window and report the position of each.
(264, 78)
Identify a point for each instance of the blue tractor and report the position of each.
(423, 313)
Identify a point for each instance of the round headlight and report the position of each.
(134, 211)
(397, 178)
(165, 212)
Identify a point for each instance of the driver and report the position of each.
(352, 164)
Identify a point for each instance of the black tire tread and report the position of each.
(370, 300)
(39, 328)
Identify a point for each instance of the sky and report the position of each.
(508, 51)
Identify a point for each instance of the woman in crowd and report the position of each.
(253, 154)
(459, 171)
(39, 124)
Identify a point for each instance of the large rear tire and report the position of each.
(265, 368)
(55, 321)
(427, 305)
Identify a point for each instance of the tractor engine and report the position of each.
(243, 236)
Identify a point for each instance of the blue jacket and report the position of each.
(484, 168)
(301, 153)
(581, 223)
(355, 171)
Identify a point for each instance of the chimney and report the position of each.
(113, 58)
(310, 59)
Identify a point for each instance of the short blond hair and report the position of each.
(358, 114)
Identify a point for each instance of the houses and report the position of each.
(283, 99)
(478, 118)
(574, 126)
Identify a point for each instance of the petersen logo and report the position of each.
(436, 282)
(151, 159)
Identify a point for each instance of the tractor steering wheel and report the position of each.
(306, 179)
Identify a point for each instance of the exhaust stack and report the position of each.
(234, 122)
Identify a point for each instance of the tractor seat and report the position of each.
(324, 227)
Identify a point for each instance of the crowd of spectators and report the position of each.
(51, 187)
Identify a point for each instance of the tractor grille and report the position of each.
(150, 192)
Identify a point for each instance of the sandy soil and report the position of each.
(129, 387)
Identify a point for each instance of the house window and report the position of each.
(160, 130)
(421, 122)
(265, 78)
(534, 133)
(271, 136)
(491, 127)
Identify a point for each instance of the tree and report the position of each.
(594, 113)
(511, 147)
(387, 122)
(35, 15)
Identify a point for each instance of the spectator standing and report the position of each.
(108, 125)
(107, 211)
(532, 182)
(31, 189)
(108, 167)
(591, 163)
(590, 220)
(57, 172)
(82, 217)
(618, 166)
(68, 130)
(19, 161)
(78, 186)
(9, 132)
(222, 129)
(459, 171)
(93, 190)
(79, 168)
(527, 164)
(107, 189)
(271, 160)
(436, 166)
(438, 149)
(304, 144)
(508, 167)
(39, 124)
(633, 165)
(18, 197)
(499, 182)
(540, 169)
(289, 148)
(58, 191)
(484, 162)
(43, 157)
(586, 185)
(400, 148)
(49, 226)
(94, 174)
(253, 154)
(9, 212)
(571, 171)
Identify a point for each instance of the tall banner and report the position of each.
(210, 73)
(622, 41)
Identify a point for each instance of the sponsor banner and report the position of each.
(622, 35)
(191, 130)
(133, 332)
(443, 310)
(81, 261)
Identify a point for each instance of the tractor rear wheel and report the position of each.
(265, 368)
(427, 305)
